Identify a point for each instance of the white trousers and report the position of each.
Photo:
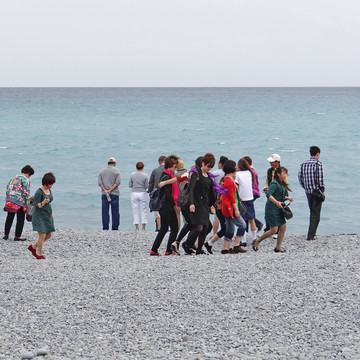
(139, 204)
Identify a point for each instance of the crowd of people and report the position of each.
(229, 193)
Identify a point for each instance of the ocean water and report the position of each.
(73, 131)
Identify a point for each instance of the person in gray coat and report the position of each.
(153, 183)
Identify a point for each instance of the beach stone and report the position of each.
(42, 352)
(27, 355)
(112, 300)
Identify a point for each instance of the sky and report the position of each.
(135, 43)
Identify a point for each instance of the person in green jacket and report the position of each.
(43, 219)
(276, 195)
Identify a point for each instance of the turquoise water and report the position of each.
(73, 131)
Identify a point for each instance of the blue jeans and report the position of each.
(230, 227)
(115, 215)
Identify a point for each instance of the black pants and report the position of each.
(20, 219)
(186, 227)
(221, 218)
(315, 209)
(167, 219)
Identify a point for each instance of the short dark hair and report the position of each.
(27, 169)
(170, 161)
(209, 158)
(314, 150)
(229, 167)
(139, 165)
(223, 159)
(48, 179)
(161, 159)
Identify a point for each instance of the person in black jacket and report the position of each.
(169, 194)
(202, 199)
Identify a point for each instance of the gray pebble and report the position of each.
(111, 300)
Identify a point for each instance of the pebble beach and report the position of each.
(99, 295)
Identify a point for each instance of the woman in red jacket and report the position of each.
(231, 211)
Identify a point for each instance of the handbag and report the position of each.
(241, 206)
(30, 209)
(286, 211)
(318, 194)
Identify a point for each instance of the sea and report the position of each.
(73, 131)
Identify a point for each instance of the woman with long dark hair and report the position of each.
(202, 199)
(276, 195)
(245, 179)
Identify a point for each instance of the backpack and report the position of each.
(30, 209)
(155, 200)
(183, 200)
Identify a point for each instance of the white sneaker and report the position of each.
(275, 236)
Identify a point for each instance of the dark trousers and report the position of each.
(115, 215)
(222, 221)
(315, 209)
(168, 219)
(20, 218)
(186, 227)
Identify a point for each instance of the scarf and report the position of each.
(174, 187)
(218, 189)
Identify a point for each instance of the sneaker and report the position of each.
(172, 253)
(175, 247)
(243, 244)
(187, 250)
(238, 249)
(274, 236)
(6, 237)
(152, 253)
(201, 252)
(225, 251)
(208, 248)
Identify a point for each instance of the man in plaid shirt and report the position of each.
(311, 177)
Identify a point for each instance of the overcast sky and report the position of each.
(179, 43)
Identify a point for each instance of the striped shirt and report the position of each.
(311, 175)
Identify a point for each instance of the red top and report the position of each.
(228, 199)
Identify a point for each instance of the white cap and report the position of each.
(112, 160)
(274, 157)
